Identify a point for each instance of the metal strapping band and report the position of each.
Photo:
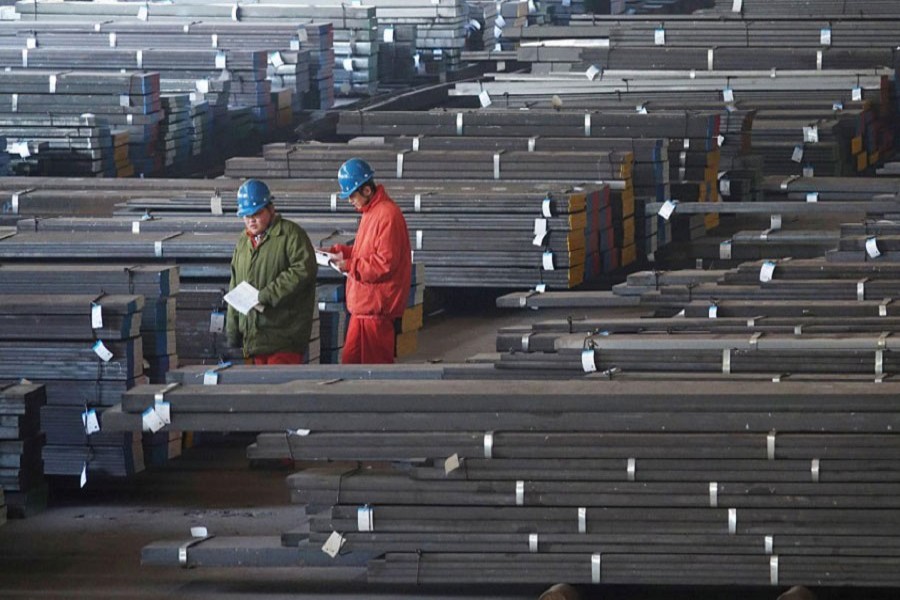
(798, 330)
(532, 142)
(882, 340)
(158, 245)
(710, 59)
(595, 568)
(459, 123)
(773, 570)
(726, 361)
(399, 165)
(732, 521)
(417, 205)
(139, 57)
(532, 542)
(582, 519)
(16, 198)
(419, 235)
(525, 341)
(334, 203)
(819, 58)
(861, 290)
(630, 469)
(754, 339)
(520, 493)
(713, 494)
(15, 103)
(489, 444)
(24, 58)
(770, 446)
(770, 545)
(879, 362)
(183, 549)
(814, 469)
(415, 143)
(160, 396)
(788, 181)
(882, 308)
(587, 125)
(497, 165)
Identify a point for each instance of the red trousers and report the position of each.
(370, 341)
(276, 358)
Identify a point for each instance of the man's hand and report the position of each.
(340, 263)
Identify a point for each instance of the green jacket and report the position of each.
(283, 268)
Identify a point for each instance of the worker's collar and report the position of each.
(377, 197)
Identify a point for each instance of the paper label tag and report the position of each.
(725, 250)
(728, 94)
(333, 544)
(809, 171)
(659, 36)
(798, 154)
(713, 311)
(837, 106)
(872, 248)
(389, 35)
(540, 226)
(216, 322)
(766, 272)
(102, 351)
(90, 421)
(592, 72)
(451, 464)
(540, 288)
(547, 261)
(143, 13)
(199, 532)
(484, 98)
(210, 378)
(215, 205)
(151, 420)
(83, 481)
(164, 410)
(737, 6)
(825, 36)
(640, 109)
(221, 60)
(812, 197)
(667, 209)
(725, 186)
(135, 227)
(587, 361)
(811, 134)
(31, 43)
(96, 316)
(856, 94)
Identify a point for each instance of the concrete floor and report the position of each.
(87, 544)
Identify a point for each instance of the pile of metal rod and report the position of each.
(103, 124)
(146, 332)
(22, 488)
(300, 57)
(653, 473)
(352, 24)
(811, 8)
(684, 164)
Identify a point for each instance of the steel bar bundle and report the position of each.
(89, 109)
(351, 22)
(664, 470)
(293, 63)
(811, 8)
(21, 440)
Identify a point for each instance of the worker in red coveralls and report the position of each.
(378, 267)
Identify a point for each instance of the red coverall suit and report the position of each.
(379, 270)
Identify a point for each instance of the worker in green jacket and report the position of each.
(276, 258)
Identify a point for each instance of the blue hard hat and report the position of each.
(352, 175)
(252, 196)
